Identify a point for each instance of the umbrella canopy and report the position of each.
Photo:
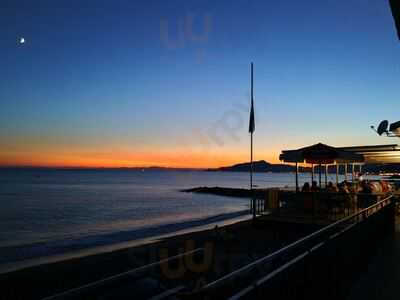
(320, 154)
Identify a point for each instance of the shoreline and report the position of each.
(164, 232)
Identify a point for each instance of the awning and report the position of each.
(320, 154)
(377, 154)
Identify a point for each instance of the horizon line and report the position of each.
(94, 168)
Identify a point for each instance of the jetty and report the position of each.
(229, 192)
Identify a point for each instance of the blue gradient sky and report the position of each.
(98, 83)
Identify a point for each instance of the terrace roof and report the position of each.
(320, 154)
(324, 154)
(379, 154)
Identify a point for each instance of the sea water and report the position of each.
(45, 212)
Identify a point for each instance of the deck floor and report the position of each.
(382, 279)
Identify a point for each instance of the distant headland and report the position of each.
(258, 166)
(262, 166)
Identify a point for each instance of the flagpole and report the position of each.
(251, 176)
(251, 145)
(251, 135)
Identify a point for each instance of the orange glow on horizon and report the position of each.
(125, 158)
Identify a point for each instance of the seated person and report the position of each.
(366, 187)
(384, 186)
(314, 187)
(306, 187)
(330, 187)
(343, 188)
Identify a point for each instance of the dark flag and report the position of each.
(395, 5)
(252, 124)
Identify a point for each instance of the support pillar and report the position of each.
(337, 174)
(297, 177)
(320, 170)
(312, 173)
(326, 176)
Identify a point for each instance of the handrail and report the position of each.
(293, 261)
(246, 269)
(241, 271)
(101, 282)
(268, 276)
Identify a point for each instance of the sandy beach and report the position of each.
(233, 245)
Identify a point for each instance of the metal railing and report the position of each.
(286, 256)
(319, 204)
(249, 278)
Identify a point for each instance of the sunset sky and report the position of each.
(167, 83)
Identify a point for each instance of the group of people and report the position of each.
(330, 187)
(362, 186)
(307, 188)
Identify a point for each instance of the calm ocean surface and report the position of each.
(48, 212)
